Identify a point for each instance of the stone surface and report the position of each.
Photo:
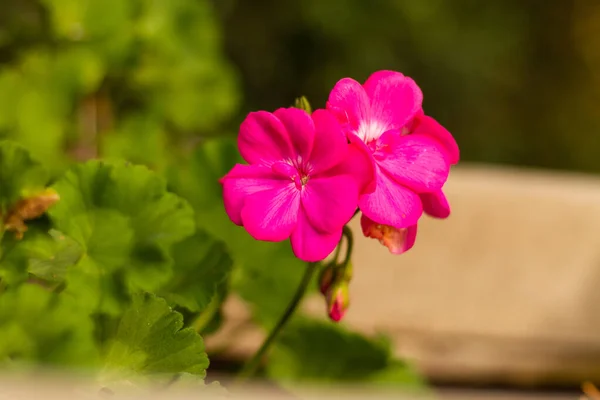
(506, 290)
(58, 387)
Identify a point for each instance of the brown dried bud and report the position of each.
(28, 208)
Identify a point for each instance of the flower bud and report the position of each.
(397, 241)
(338, 300)
(326, 278)
(303, 104)
(333, 274)
(30, 207)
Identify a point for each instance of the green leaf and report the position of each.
(13, 261)
(201, 263)
(399, 373)
(39, 326)
(20, 175)
(125, 221)
(198, 179)
(52, 254)
(46, 255)
(140, 139)
(150, 341)
(320, 352)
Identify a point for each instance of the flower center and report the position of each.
(300, 181)
(299, 174)
(380, 149)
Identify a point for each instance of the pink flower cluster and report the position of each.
(372, 148)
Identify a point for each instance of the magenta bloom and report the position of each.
(400, 240)
(435, 203)
(379, 115)
(303, 181)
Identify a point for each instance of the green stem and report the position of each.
(338, 250)
(348, 233)
(251, 366)
(207, 315)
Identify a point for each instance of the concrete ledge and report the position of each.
(59, 387)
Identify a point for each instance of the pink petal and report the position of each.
(391, 203)
(300, 128)
(409, 238)
(272, 214)
(336, 310)
(330, 146)
(284, 170)
(349, 102)
(310, 244)
(397, 241)
(417, 162)
(330, 202)
(264, 139)
(242, 181)
(359, 164)
(395, 98)
(436, 204)
(412, 124)
(430, 127)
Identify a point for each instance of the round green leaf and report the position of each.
(150, 341)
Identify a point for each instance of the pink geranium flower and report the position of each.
(411, 153)
(376, 114)
(303, 181)
(435, 203)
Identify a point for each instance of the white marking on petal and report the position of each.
(370, 130)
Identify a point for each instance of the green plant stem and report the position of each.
(338, 250)
(251, 366)
(350, 245)
(207, 315)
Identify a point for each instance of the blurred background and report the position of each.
(516, 82)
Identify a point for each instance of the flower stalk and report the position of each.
(335, 279)
(252, 365)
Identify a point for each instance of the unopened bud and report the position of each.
(27, 208)
(303, 104)
(333, 274)
(326, 279)
(338, 300)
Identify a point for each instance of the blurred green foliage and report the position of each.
(351, 357)
(132, 79)
(146, 87)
